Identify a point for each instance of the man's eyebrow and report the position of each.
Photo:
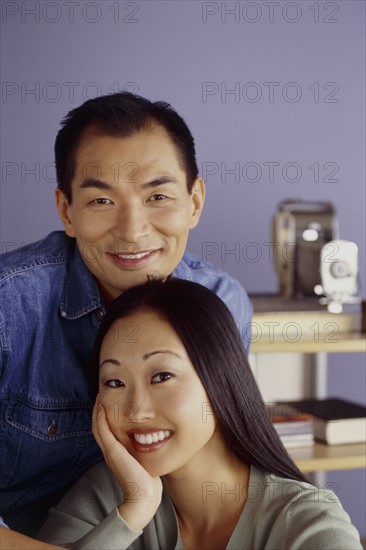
(94, 183)
(159, 181)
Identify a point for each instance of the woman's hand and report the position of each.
(142, 492)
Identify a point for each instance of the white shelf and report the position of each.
(286, 329)
(342, 343)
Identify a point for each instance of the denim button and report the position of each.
(99, 314)
(52, 428)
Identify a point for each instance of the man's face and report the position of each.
(131, 211)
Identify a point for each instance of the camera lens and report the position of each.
(339, 270)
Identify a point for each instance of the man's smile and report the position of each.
(133, 259)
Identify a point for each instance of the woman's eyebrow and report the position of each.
(144, 357)
(148, 355)
(113, 361)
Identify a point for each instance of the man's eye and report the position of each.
(102, 201)
(158, 197)
(114, 383)
(161, 377)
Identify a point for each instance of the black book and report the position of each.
(337, 421)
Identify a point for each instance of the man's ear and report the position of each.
(63, 209)
(198, 198)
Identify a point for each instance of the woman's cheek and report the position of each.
(182, 408)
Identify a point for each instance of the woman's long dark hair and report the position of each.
(214, 346)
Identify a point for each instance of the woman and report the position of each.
(194, 461)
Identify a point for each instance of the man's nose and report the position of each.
(131, 225)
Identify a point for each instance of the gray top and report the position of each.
(278, 514)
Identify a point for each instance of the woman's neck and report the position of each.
(209, 493)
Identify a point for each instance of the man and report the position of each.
(128, 194)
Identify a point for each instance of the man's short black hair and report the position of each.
(121, 115)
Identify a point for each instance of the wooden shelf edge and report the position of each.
(329, 457)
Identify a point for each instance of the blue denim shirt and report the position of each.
(50, 310)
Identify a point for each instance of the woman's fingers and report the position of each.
(142, 492)
(97, 413)
(120, 461)
(114, 452)
(101, 427)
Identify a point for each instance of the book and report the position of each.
(336, 421)
(294, 427)
(297, 440)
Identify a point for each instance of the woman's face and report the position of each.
(155, 403)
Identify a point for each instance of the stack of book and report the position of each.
(336, 421)
(295, 428)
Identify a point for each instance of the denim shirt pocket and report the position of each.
(46, 442)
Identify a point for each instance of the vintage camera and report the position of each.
(339, 272)
(300, 230)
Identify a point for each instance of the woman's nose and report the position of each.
(139, 408)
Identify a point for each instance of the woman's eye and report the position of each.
(161, 377)
(115, 383)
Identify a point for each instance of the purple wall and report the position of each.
(274, 90)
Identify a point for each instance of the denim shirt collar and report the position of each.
(182, 270)
(80, 294)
